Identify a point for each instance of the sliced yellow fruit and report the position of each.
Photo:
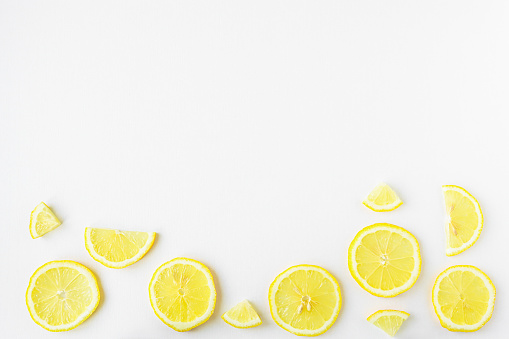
(182, 293)
(305, 300)
(117, 249)
(382, 199)
(464, 219)
(388, 321)
(463, 298)
(61, 295)
(42, 220)
(242, 315)
(384, 259)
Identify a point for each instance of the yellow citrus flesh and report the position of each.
(388, 321)
(242, 315)
(182, 293)
(382, 199)
(42, 220)
(464, 219)
(463, 298)
(305, 300)
(384, 259)
(61, 295)
(117, 249)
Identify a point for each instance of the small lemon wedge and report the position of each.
(42, 220)
(388, 321)
(382, 199)
(242, 315)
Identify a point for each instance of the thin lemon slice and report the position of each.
(382, 199)
(464, 219)
(305, 300)
(384, 259)
(117, 249)
(182, 293)
(61, 295)
(388, 321)
(242, 315)
(42, 220)
(463, 298)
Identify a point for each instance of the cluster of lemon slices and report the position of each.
(384, 259)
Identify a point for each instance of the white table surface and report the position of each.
(246, 135)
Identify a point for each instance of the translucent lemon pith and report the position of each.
(242, 315)
(305, 300)
(463, 298)
(382, 199)
(117, 249)
(384, 259)
(61, 295)
(388, 321)
(42, 220)
(182, 293)
(464, 219)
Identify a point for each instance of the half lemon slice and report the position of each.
(61, 295)
(464, 219)
(117, 249)
(242, 315)
(305, 300)
(42, 220)
(382, 199)
(388, 321)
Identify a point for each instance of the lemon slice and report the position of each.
(42, 220)
(464, 219)
(384, 259)
(61, 295)
(463, 298)
(305, 300)
(388, 321)
(117, 249)
(382, 199)
(242, 315)
(182, 293)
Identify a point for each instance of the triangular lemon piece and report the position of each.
(382, 199)
(242, 315)
(388, 321)
(42, 220)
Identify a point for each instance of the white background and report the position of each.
(246, 134)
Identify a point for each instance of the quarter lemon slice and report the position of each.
(388, 321)
(463, 298)
(382, 199)
(61, 295)
(117, 249)
(384, 259)
(42, 220)
(305, 300)
(242, 315)
(182, 293)
(464, 219)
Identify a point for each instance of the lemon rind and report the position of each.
(283, 325)
(84, 316)
(33, 217)
(393, 228)
(387, 313)
(446, 322)
(178, 326)
(121, 264)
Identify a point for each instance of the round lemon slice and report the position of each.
(384, 259)
(182, 293)
(382, 199)
(388, 321)
(464, 219)
(61, 295)
(463, 298)
(305, 300)
(242, 315)
(117, 249)
(42, 220)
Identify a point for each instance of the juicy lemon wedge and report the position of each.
(384, 259)
(117, 249)
(388, 321)
(305, 300)
(464, 219)
(463, 298)
(182, 293)
(61, 295)
(42, 220)
(382, 199)
(242, 315)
